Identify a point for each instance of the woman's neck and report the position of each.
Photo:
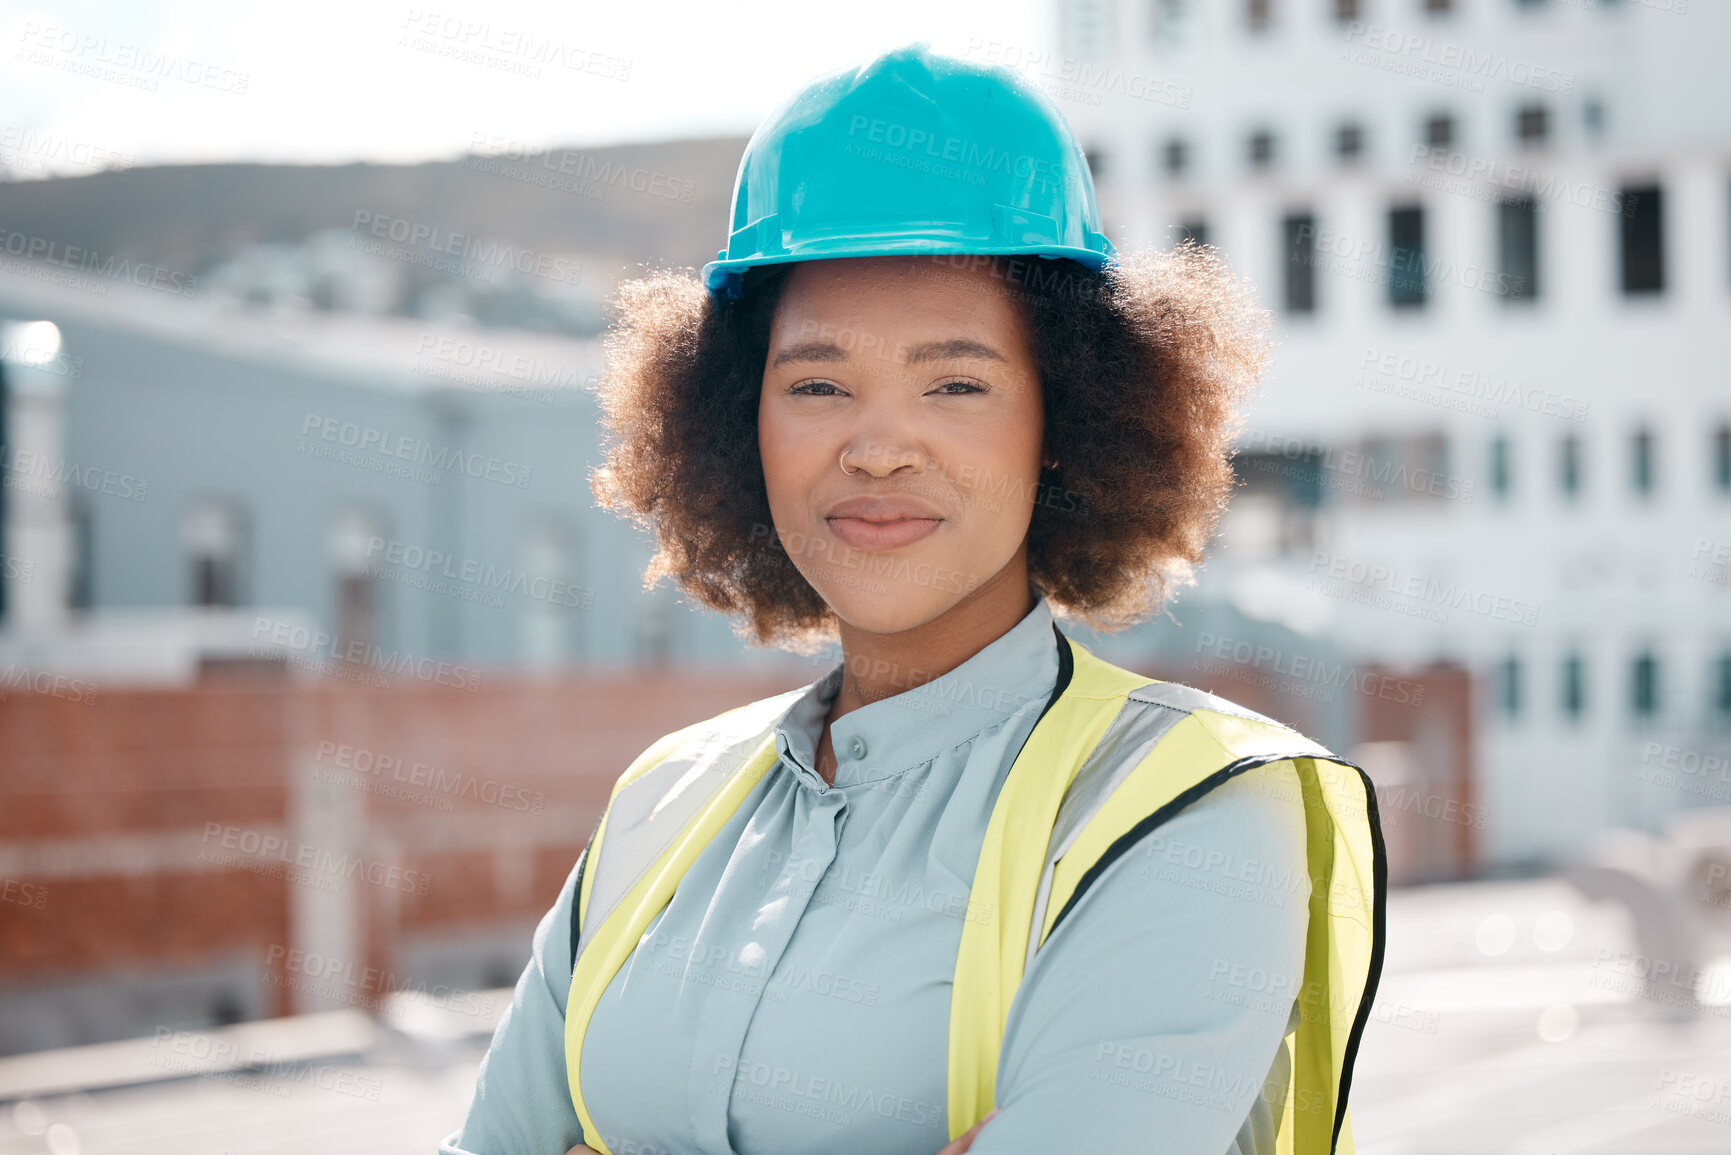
(876, 666)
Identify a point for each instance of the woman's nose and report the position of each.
(881, 456)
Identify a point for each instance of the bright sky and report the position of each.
(86, 85)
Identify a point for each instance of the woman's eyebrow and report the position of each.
(810, 351)
(953, 349)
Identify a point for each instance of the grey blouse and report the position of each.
(793, 996)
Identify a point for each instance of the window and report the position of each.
(81, 520)
(1641, 462)
(354, 547)
(1518, 248)
(1175, 24)
(215, 537)
(1439, 131)
(1261, 148)
(1096, 158)
(1722, 688)
(1574, 687)
(1509, 686)
(1406, 272)
(1258, 15)
(1175, 156)
(1349, 142)
(1532, 125)
(1347, 10)
(1085, 32)
(1644, 685)
(1192, 229)
(1396, 467)
(1502, 472)
(1643, 229)
(1569, 466)
(1722, 458)
(1299, 236)
(547, 620)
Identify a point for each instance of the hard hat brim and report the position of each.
(726, 277)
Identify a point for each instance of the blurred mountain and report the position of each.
(493, 234)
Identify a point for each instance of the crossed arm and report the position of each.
(1157, 1007)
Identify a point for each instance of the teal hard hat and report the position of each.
(911, 153)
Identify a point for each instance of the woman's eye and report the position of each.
(956, 388)
(816, 388)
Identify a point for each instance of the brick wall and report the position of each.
(149, 829)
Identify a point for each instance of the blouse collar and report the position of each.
(893, 735)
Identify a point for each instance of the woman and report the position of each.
(974, 889)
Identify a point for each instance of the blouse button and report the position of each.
(857, 747)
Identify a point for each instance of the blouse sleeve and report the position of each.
(522, 1105)
(1156, 1010)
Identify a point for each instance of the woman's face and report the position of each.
(921, 374)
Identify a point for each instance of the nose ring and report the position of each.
(842, 461)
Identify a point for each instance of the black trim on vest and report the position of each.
(577, 895)
(1379, 900)
(1066, 671)
(1378, 940)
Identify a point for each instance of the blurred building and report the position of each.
(1496, 235)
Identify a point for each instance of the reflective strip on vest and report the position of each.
(1112, 757)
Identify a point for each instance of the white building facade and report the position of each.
(1496, 237)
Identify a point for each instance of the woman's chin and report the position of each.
(886, 607)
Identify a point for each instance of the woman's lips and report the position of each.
(863, 534)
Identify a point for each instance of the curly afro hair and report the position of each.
(1143, 366)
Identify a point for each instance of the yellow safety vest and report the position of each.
(1112, 757)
